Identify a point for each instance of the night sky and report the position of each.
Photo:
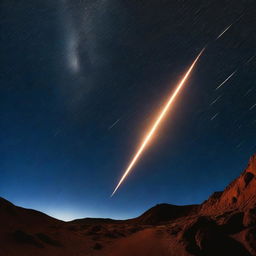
(81, 81)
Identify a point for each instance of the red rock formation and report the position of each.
(239, 195)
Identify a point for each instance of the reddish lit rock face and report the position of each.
(252, 165)
(240, 194)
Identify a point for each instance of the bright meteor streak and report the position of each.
(157, 122)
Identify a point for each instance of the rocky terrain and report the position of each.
(225, 224)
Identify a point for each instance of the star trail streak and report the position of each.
(224, 31)
(225, 80)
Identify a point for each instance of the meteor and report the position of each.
(225, 80)
(227, 28)
(214, 116)
(213, 102)
(157, 122)
(224, 31)
(112, 125)
(252, 107)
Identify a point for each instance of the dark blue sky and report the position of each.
(72, 69)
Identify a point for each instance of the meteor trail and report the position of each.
(112, 125)
(214, 116)
(225, 80)
(227, 28)
(157, 122)
(252, 107)
(213, 102)
(224, 31)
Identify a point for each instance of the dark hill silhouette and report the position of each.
(165, 212)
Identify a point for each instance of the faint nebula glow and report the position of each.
(72, 54)
(71, 39)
